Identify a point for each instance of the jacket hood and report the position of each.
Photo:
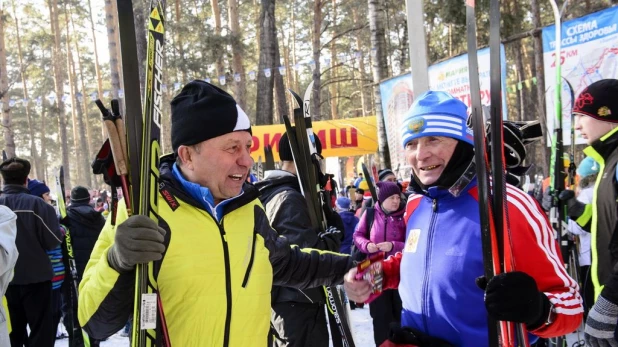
(84, 213)
(276, 179)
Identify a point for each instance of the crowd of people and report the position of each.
(243, 264)
(37, 296)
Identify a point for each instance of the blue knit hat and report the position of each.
(343, 203)
(436, 113)
(588, 167)
(37, 188)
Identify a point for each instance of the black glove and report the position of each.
(331, 238)
(407, 335)
(575, 208)
(514, 297)
(138, 240)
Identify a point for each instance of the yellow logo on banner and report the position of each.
(339, 138)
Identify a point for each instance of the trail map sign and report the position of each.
(589, 53)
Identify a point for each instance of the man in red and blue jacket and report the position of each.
(437, 271)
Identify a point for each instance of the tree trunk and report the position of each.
(334, 87)
(181, 49)
(218, 50)
(293, 54)
(82, 152)
(365, 94)
(59, 87)
(380, 72)
(84, 106)
(140, 12)
(240, 87)
(315, 43)
(79, 179)
(521, 76)
(279, 86)
(43, 140)
(97, 67)
(111, 22)
(9, 142)
(540, 85)
(264, 103)
(36, 164)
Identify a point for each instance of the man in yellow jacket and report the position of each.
(216, 256)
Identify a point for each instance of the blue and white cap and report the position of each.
(436, 113)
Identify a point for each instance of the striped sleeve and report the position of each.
(536, 253)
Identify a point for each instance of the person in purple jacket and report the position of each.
(386, 233)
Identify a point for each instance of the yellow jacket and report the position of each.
(215, 278)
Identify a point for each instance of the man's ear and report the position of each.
(185, 155)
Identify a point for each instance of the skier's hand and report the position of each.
(356, 290)
(372, 248)
(514, 297)
(331, 239)
(575, 208)
(138, 240)
(385, 246)
(601, 323)
(547, 200)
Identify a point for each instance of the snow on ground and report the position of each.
(359, 318)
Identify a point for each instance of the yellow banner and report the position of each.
(339, 138)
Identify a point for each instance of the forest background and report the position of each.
(57, 56)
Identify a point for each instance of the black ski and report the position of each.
(144, 131)
(269, 161)
(480, 155)
(308, 172)
(372, 188)
(71, 278)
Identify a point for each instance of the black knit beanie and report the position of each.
(382, 174)
(80, 194)
(599, 101)
(285, 152)
(202, 111)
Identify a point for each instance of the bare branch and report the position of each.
(341, 79)
(336, 36)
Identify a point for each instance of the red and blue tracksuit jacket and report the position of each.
(442, 257)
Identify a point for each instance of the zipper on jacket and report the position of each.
(228, 285)
(425, 305)
(250, 265)
(385, 226)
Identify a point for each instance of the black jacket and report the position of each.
(85, 225)
(286, 210)
(604, 271)
(38, 231)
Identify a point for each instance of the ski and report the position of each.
(300, 144)
(478, 125)
(269, 161)
(143, 142)
(498, 171)
(557, 213)
(260, 169)
(68, 259)
(372, 188)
